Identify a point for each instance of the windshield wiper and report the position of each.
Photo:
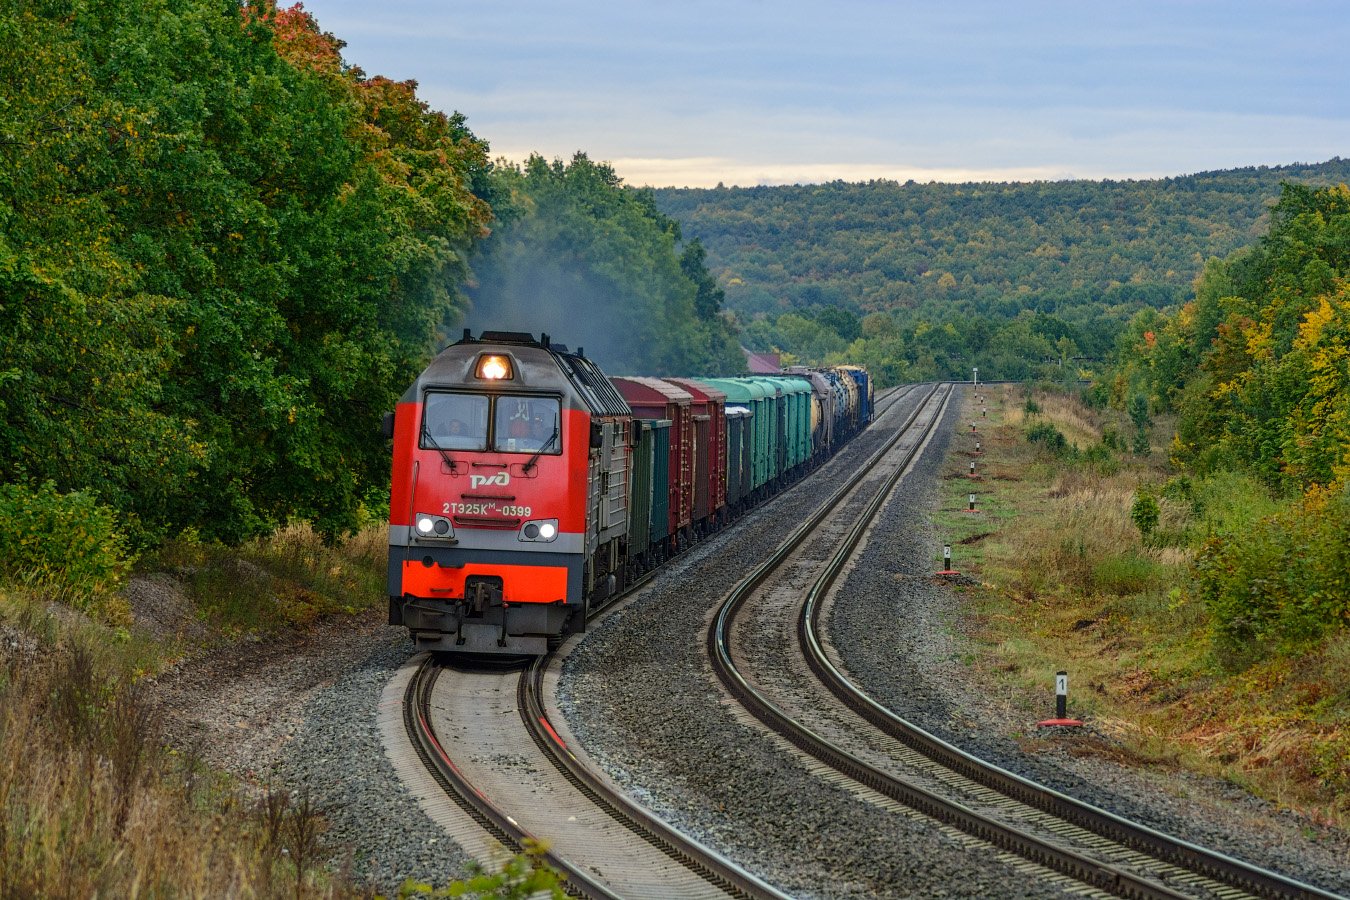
(439, 449)
(548, 443)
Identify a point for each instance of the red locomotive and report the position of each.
(509, 495)
(527, 485)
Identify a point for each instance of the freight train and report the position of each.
(528, 486)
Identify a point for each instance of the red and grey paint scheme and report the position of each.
(508, 508)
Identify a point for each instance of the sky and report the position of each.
(747, 92)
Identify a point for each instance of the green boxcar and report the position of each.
(797, 393)
(740, 450)
(778, 425)
(659, 520)
(640, 500)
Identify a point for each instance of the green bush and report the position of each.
(68, 542)
(1048, 436)
(1280, 583)
(1144, 513)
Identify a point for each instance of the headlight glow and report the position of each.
(432, 527)
(494, 368)
(542, 530)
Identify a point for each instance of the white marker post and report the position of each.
(972, 468)
(975, 376)
(977, 446)
(1061, 718)
(947, 561)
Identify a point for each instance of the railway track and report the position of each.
(903, 764)
(603, 843)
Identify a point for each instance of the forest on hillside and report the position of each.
(225, 252)
(1009, 277)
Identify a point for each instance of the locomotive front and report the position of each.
(494, 450)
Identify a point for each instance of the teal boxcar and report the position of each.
(750, 394)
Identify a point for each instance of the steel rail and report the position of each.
(1159, 845)
(1006, 837)
(417, 721)
(711, 865)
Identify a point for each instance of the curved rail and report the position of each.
(712, 866)
(1024, 844)
(1235, 873)
(416, 718)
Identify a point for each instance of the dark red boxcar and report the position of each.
(710, 448)
(652, 398)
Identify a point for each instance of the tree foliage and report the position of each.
(222, 253)
(1078, 258)
(1257, 368)
(595, 264)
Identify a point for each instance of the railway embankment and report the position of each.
(1066, 568)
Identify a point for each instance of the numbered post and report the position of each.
(1061, 719)
(971, 508)
(977, 446)
(972, 468)
(947, 557)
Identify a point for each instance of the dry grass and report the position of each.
(93, 805)
(1070, 583)
(291, 577)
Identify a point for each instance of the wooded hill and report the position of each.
(1039, 262)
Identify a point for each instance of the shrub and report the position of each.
(1284, 581)
(1049, 437)
(1144, 513)
(67, 542)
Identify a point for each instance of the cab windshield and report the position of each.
(455, 422)
(527, 425)
(504, 423)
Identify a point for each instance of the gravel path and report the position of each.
(301, 715)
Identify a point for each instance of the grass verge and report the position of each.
(1070, 581)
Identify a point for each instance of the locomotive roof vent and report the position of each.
(507, 337)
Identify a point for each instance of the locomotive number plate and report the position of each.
(484, 509)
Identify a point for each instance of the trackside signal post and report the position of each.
(1061, 719)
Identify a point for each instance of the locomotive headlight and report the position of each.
(431, 527)
(541, 530)
(492, 367)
